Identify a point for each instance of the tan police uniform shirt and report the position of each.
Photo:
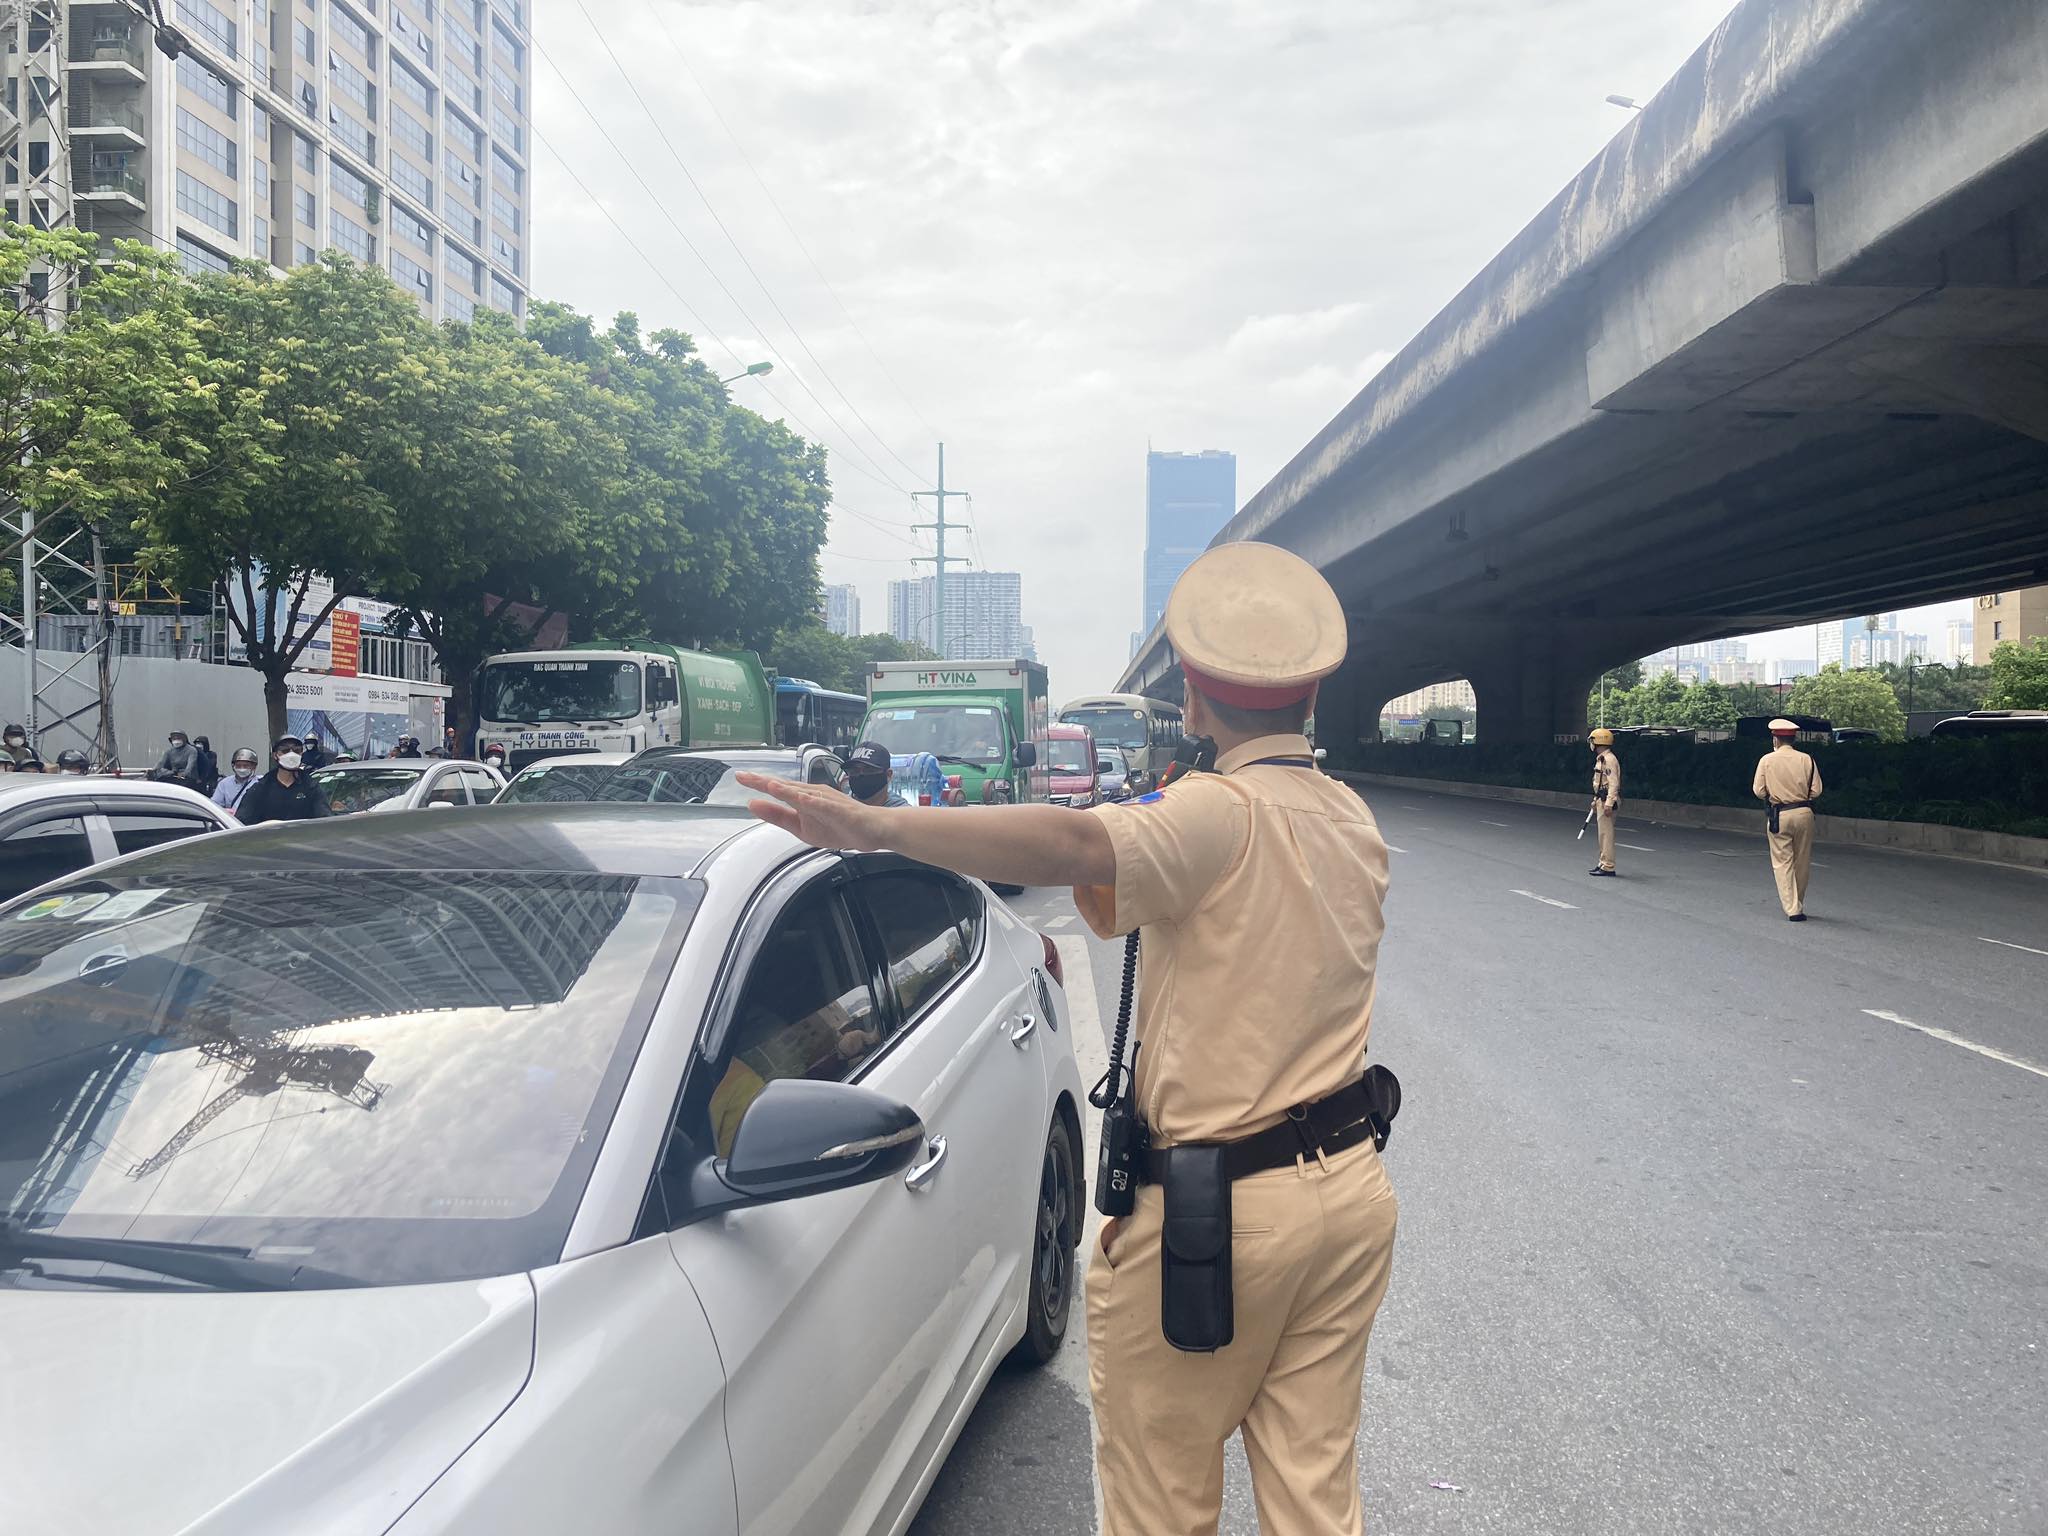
(1607, 775)
(1785, 775)
(1259, 891)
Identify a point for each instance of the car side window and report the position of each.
(448, 790)
(481, 788)
(135, 832)
(929, 924)
(41, 851)
(804, 1010)
(825, 770)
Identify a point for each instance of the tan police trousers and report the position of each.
(1605, 822)
(1791, 858)
(1311, 1250)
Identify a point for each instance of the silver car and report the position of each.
(407, 783)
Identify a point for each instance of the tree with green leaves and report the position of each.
(1707, 706)
(2019, 676)
(722, 512)
(315, 413)
(99, 414)
(1861, 700)
(1955, 690)
(517, 496)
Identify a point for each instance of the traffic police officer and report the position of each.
(1788, 781)
(1606, 796)
(1258, 889)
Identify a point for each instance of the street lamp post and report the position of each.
(751, 371)
(1626, 103)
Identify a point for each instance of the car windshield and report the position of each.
(1117, 727)
(669, 781)
(357, 789)
(369, 1076)
(959, 733)
(1068, 756)
(551, 692)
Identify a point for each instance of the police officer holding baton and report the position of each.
(1240, 1290)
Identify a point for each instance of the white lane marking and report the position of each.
(1485, 823)
(1952, 1038)
(1392, 849)
(1062, 922)
(1567, 906)
(2008, 944)
(1091, 1054)
(1638, 847)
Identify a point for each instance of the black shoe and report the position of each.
(1607, 872)
(1797, 917)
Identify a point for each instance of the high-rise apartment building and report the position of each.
(1955, 642)
(984, 613)
(394, 130)
(840, 609)
(2001, 617)
(1188, 497)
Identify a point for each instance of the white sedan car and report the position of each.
(551, 1168)
(407, 783)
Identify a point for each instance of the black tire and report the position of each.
(1055, 1239)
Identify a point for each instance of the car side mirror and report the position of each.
(800, 1138)
(1027, 754)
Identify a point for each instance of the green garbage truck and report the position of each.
(985, 721)
(599, 696)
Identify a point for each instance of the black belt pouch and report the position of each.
(1194, 1274)
(1774, 818)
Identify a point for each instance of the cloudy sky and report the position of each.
(1051, 232)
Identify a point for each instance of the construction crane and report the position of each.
(268, 1063)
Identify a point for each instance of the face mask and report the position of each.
(245, 770)
(864, 789)
(288, 760)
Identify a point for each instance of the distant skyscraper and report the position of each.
(1837, 643)
(1955, 645)
(984, 613)
(1188, 497)
(840, 609)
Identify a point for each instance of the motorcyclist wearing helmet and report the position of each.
(227, 794)
(71, 760)
(14, 741)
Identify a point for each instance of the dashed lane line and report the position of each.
(1061, 922)
(1949, 1037)
(1546, 900)
(1638, 847)
(1485, 823)
(2008, 944)
(1392, 849)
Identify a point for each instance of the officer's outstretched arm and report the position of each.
(1009, 844)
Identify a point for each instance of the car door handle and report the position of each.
(922, 1176)
(1021, 1030)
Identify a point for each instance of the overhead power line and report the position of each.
(683, 58)
(669, 283)
(852, 442)
(731, 240)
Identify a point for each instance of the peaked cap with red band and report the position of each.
(1255, 626)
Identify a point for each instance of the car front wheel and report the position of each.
(1055, 1235)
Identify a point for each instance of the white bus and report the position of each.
(1146, 729)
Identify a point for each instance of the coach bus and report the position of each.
(806, 713)
(1146, 729)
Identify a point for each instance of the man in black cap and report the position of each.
(287, 792)
(867, 776)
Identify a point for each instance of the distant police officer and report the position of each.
(1258, 889)
(1788, 781)
(1606, 796)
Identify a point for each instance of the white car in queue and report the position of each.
(611, 1168)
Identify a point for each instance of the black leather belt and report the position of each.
(1329, 1126)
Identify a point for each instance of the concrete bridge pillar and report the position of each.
(1529, 689)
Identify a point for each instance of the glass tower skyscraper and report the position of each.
(1188, 497)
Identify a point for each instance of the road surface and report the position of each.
(1711, 1222)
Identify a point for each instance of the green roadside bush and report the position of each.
(1997, 785)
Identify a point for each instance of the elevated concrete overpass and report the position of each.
(1778, 354)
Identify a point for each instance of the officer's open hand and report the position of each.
(822, 816)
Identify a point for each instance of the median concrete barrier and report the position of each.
(1907, 836)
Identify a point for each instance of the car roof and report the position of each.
(24, 789)
(579, 760)
(365, 764)
(621, 839)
